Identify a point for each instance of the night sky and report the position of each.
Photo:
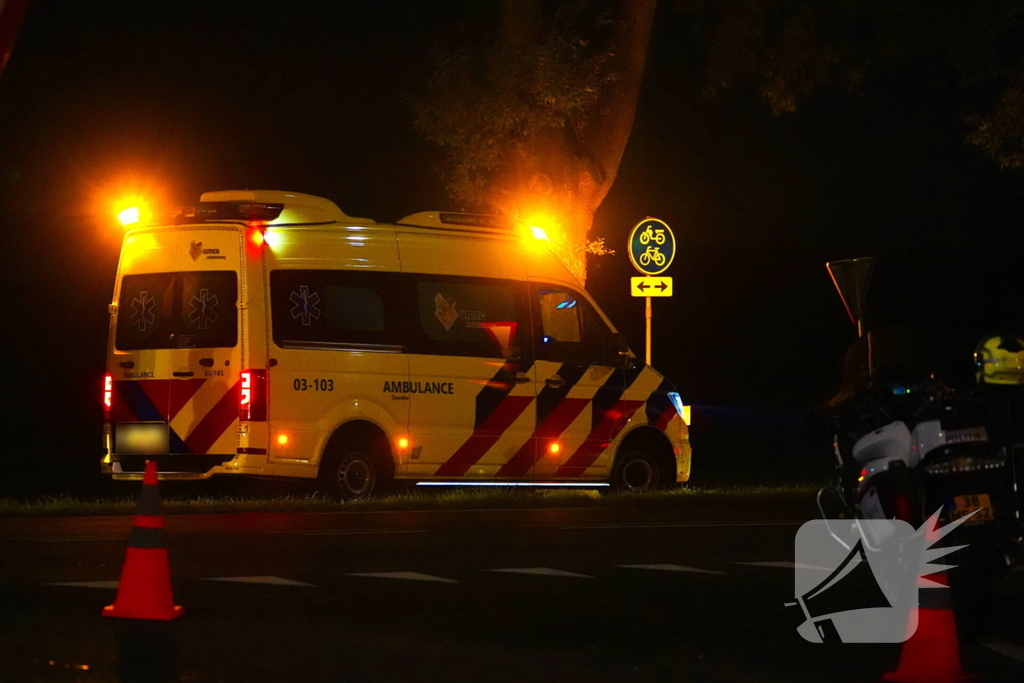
(180, 98)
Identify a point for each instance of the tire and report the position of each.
(354, 474)
(637, 472)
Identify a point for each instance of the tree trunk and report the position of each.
(553, 177)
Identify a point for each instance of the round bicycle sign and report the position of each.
(652, 246)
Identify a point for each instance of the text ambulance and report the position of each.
(269, 334)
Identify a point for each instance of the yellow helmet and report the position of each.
(999, 359)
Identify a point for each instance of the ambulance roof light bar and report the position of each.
(450, 220)
(267, 206)
(227, 211)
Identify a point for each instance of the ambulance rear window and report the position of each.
(178, 311)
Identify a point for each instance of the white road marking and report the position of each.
(87, 584)
(785, 565)
(409, 576)
(1004, 648)
(673, 525)
(670, 568)
(124, 538)
(354, 532)
(268, 580)
(78, 539)
(541, 571)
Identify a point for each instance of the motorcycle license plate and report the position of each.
(965, 505)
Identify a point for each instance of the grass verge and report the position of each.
(456, 499)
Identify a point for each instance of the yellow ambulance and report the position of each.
(268, 334)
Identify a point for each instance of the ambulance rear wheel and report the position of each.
(636, 472)
(353, 475)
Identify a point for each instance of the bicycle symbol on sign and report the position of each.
(652, 254)
(651, 234)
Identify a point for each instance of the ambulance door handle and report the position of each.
(555, 381)
(521, 378)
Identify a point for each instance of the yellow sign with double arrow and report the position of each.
(650, 286)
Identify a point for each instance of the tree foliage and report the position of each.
(534, 121)
(487, 100)
(788, 48)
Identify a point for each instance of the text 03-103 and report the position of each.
(313, 385)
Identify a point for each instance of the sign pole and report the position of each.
(652, 247)
(647, 316)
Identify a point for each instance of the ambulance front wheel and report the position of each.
(644, 463)
(636, 472)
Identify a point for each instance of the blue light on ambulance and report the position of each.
(682, 410)
(677, 401)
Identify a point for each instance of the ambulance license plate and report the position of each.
(965, 505)
(142, 438)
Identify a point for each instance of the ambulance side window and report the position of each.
(462, 316)
(332, 309)
(568, 329)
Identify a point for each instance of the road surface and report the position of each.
(589, 594)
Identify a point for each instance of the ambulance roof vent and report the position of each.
(272, 206)
(476, 222)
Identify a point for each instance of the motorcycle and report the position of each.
(907, 451)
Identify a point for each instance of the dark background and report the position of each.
(173, 99)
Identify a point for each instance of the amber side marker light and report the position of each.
(555, 448)
(282, 439)
(403, 443)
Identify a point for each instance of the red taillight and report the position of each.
(254, 240)
(108, 393)
(252, 398)
(257, 237)
(246, 397)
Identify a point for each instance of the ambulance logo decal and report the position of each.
(445, 310)
(307, 305)
(195, 250)
(142, 311)
(203, 309)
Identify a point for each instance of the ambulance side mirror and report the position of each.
(623, 359)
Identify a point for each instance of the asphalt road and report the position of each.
(587, 594)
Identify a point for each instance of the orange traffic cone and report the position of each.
(144, 591)
(932, 653)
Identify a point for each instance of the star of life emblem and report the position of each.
(142, 311)
(306, 306)
(203, 309)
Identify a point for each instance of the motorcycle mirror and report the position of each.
(832, 506)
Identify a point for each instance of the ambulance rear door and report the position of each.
(177, 347)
